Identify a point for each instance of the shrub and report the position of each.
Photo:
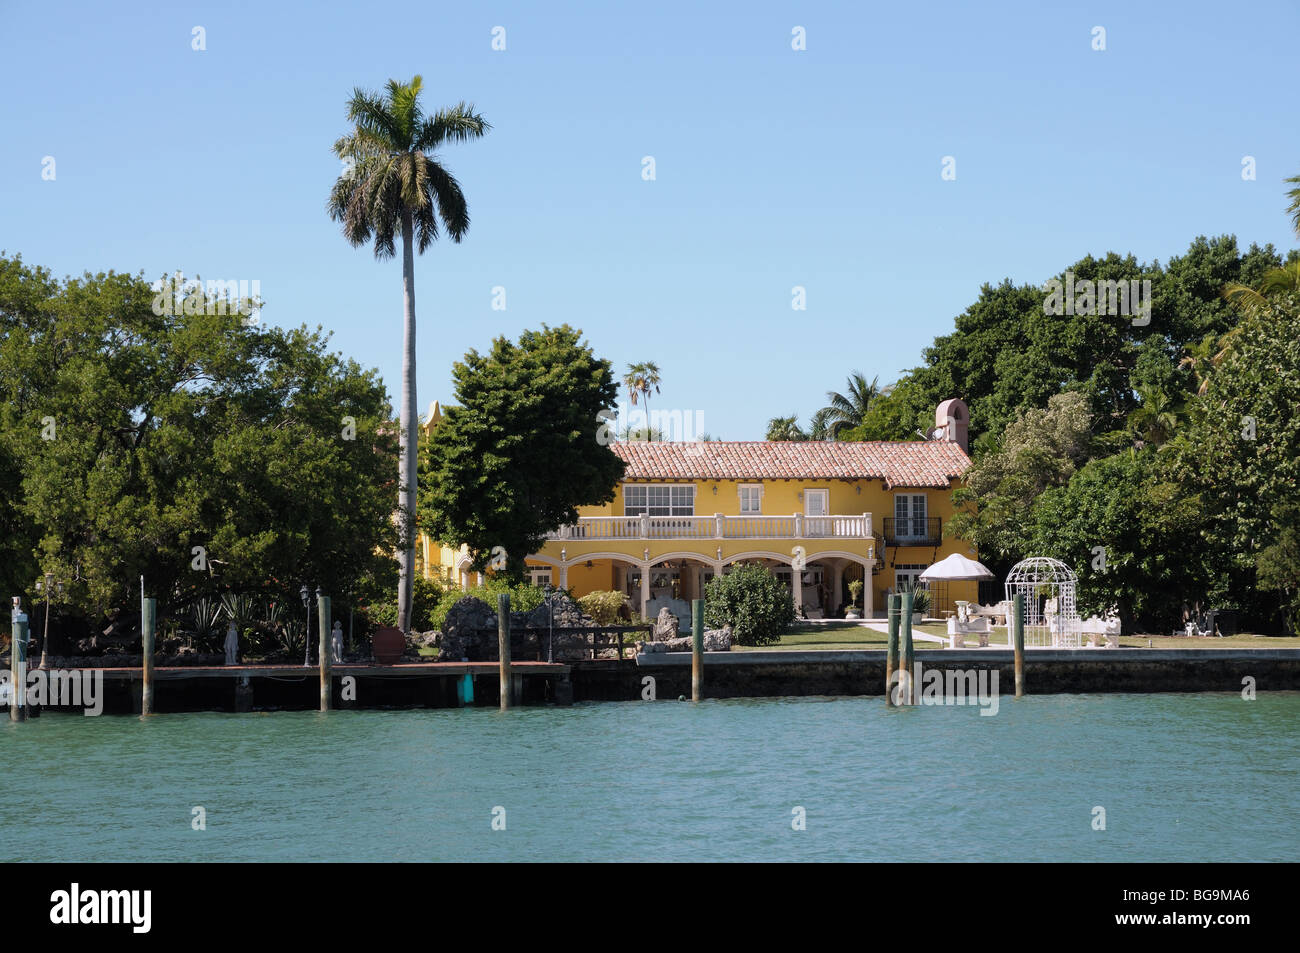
(604, 606)
(523, 598)
(754, 602)
(426, 598)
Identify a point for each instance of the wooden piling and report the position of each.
(148, 631)
(697, 650)
(503, 647)
(1018, 637)
(892, 603)
(326, 651)
(243, 694)
(909, 650)
(18, 666)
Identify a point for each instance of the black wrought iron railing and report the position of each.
(913, 531)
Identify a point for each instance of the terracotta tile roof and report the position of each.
(930, 463)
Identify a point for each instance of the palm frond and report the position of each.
(459, 123)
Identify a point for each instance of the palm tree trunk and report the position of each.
(409, 438)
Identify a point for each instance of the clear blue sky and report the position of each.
(775, 168)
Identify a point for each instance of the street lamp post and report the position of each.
(47, 585)
(306, 635)
(550, 628)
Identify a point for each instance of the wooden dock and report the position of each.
(355, 685)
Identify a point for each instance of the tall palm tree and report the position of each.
(847, 410)
(394, 183)
(639, 380)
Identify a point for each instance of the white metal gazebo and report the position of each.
(1051, 612)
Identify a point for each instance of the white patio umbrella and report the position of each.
(956, 567)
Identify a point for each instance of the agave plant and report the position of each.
(205, 618)
(240, 609)
(920, 598)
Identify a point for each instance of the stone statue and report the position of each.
(232, 643)
(336, 642)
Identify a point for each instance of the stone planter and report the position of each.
(852, 613)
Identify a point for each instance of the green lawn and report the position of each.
(841, 635)
(850, 635)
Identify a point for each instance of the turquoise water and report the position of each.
(1182, 777)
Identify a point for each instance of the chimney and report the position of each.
(951, 419)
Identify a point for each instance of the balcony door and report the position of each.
(909, 515)
(815, 511)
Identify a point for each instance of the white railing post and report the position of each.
(798, 526)
(645, 525)
(717, 525)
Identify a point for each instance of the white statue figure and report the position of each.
(232, 643)
(336, 642)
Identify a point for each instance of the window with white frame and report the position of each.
(659, 499)
(909, 515)
(539, 576)
(751, 499)
(908, 576)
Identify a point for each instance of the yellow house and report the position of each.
(821, 513)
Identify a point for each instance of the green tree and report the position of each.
(1006, 353)
(209, 456)
(785, 428)
(1040, 449)
(1278, 564)
(520, 450)
(395, 185)
(1240, 456)
(1127, 535)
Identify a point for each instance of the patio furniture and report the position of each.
(1200, 626)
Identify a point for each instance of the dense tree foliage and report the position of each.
(207, 453)
(521, 449)
(1240, 457)
(1114, 442)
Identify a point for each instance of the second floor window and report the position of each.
(909, 511)
(660, 499)
(751, 500)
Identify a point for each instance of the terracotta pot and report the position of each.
(388, 645)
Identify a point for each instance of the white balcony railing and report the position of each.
(718, 526)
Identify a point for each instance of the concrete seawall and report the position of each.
(726, 675)
(1047, 671)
